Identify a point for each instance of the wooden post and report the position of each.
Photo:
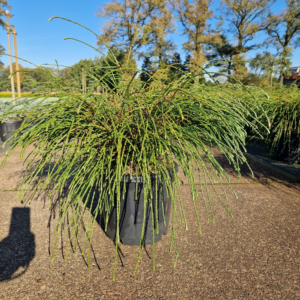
(9, 52)
(17, 63)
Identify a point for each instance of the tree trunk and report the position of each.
(284, 64)
(196, 80)
(229, 72)
(271, 79)
(281, 79)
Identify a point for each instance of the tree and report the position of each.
(1, 51)
(3, 5)
(4, 76)
(148, 71)
(193, 17)
(92, 85)
(177, 67)
(40, 75)
(95, 69)
(223, 51)
(284, 32)
(161, 24)
(21, 75)
(28, 83)
(108, 62)
(73, 75)
(246, 19)
(265, 64)
(128, 24)
(5, 83)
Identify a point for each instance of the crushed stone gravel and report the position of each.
(255, 255)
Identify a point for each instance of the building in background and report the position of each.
(295, 76)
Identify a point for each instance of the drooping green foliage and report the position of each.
(283, 110)
(85, 141)
(279, 111)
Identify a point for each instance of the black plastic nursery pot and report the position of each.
(290, 154)
(132, 213)
(7, 129)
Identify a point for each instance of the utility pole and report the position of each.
(8, 15)
(17, 63)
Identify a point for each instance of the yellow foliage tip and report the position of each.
(53, 18)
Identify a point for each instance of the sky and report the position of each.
(40, 41)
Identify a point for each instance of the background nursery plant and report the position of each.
(281, 105)
(283, 110)
(92, 144)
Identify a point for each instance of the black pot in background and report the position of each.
(7, 129)
(290, 155)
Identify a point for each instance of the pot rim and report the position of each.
(138, 179)
(12, 121)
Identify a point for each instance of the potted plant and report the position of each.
(121, 149)
(283, 111)
(12, 115)
(281, 106)
(8, 124)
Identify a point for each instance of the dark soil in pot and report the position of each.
(7, 129)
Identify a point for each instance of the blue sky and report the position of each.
(41, 41)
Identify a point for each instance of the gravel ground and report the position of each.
(255, 255)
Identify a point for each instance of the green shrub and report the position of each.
(278, 111)
(10, 112)
(283, 110)
(87, 140)
(22, 107)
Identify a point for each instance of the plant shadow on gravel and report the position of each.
(262, 175)
(43, 196)
(18, 249)
(69, 240)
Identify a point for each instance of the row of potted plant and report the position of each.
(13, 113)
(8, 123)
